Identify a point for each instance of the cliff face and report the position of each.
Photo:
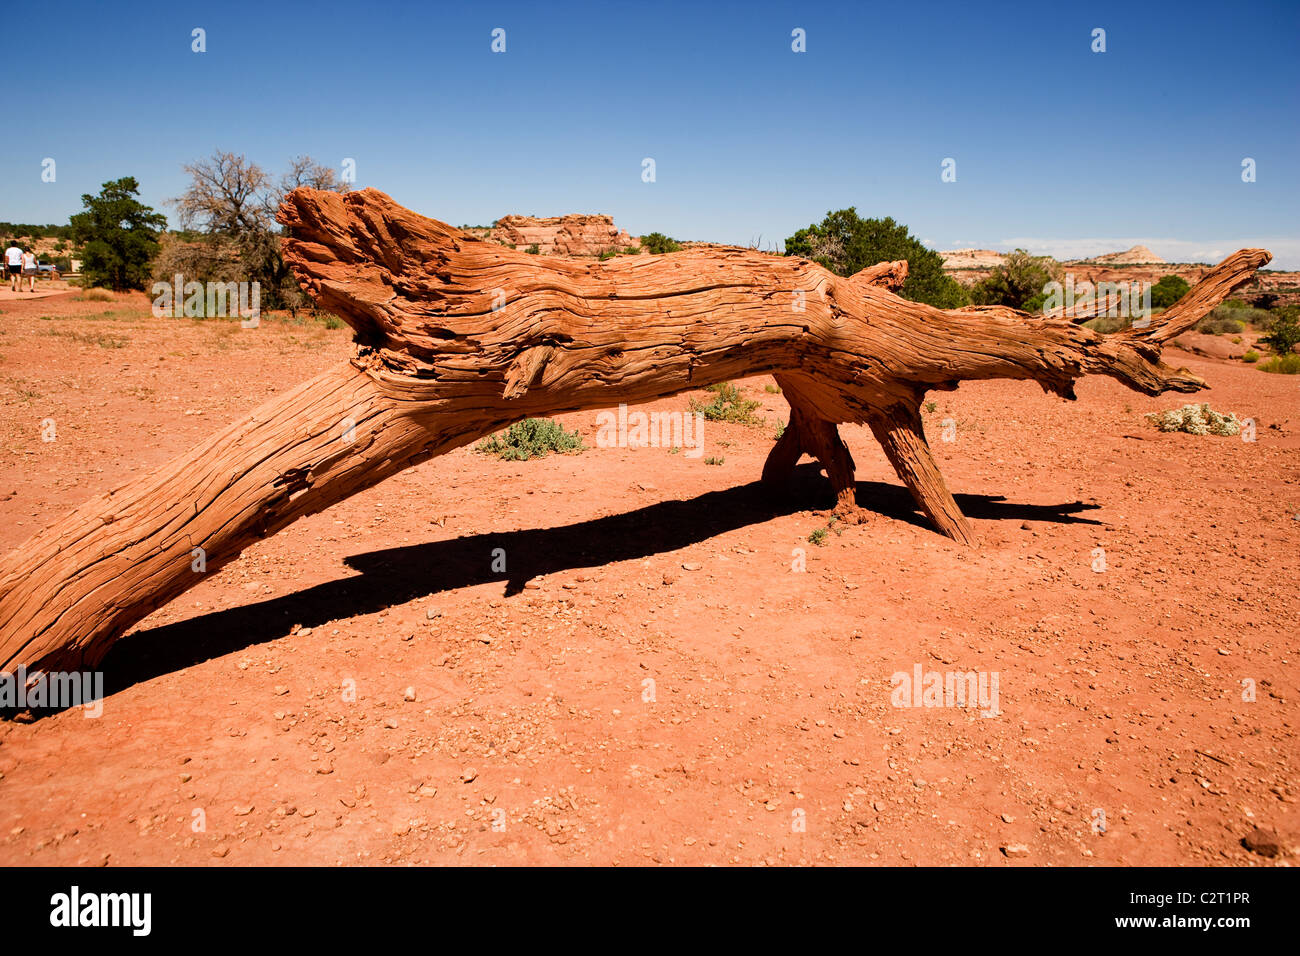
(572, 235)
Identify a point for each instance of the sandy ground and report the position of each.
(653, 679)
(45, 288)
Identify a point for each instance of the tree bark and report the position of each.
(458, 338)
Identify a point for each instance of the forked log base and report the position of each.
(458, 337)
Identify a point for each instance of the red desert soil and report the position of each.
(499, 717)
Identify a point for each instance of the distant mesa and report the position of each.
(989, 258)
(971, 259)
(1138, 255)
(572, 235)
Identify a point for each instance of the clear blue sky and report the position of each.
(1056, 147)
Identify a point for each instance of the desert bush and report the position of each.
(817, 537)
(1168, 290)
(1283, 331)
(95, 295)
(657, 244)
(531, 438)
(1212, 325)
(1019, 282)
(1234, 310)
(1250, 356)
(1196, 420)
(232, 202)
(845, 243)
(1282, 364)
(201, 260)
(727, 406)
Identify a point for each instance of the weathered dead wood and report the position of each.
(459, 337)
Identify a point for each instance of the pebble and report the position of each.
(1015, 850)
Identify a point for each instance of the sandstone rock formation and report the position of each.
(1138, 255)
(572, 235)
(971, 259)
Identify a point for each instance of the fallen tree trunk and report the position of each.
(458, 338)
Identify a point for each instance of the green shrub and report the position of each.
(1168, 290)
(727, 406)
(534, 249)
(818, 537)
(712, 460)
(1283, 331)
(1019, 282)
(657, 244)
(531, 438)
(1283, 364)
(1250, 356)
(845, 243)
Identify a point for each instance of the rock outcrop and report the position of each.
(971, 258)
(572, 235)
(1138, 255)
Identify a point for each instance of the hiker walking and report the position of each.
(30, 269)
(13, 265)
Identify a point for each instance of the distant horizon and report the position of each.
(1061, 250)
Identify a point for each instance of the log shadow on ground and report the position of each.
(394, 576)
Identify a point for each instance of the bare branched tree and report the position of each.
(228, 196)
(233, 201)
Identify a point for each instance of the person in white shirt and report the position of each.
(14, 265)
(30, 269)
